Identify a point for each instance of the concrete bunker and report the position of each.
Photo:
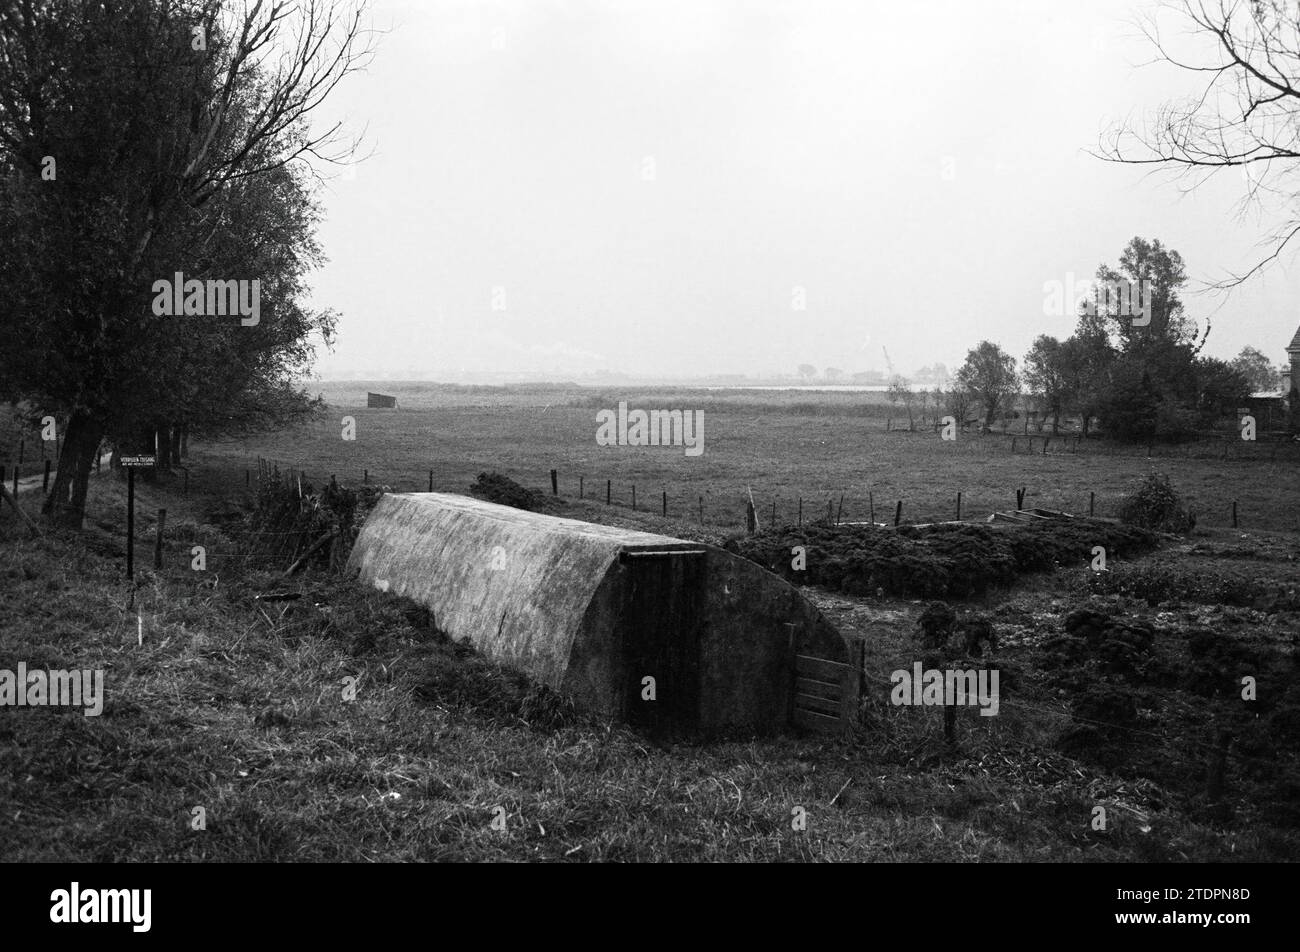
(593, 610)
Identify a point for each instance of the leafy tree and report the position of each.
(989, 375)
(1221, 389)
(1046, 376)
(1130, 408)
(807, 371)
(1146, 264)
(1258, 370)
(1087, 359)
(137, 139)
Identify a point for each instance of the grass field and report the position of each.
(219, 700)
(779, 445)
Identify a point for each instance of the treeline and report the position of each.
(1139, 376)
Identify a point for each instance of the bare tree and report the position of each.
(1245, 112)
(901, 392)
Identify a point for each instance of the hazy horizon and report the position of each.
(565, 188)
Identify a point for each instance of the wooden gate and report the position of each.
(825, 693)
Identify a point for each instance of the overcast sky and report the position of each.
(644, 186)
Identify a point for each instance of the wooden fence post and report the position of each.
(701, 510)
(1092, 503)
(1234, 514)
(581, 487)
(45, 482)
(555, 484)
(751, 521)
(959, 506)
(607, 492)
(634, 497)
(898, 512)
(800, 501)
(430, 480)
(665, 502)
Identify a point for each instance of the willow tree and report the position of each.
(143, 138)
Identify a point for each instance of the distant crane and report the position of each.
(888, 363)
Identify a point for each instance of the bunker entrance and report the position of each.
(663, 612)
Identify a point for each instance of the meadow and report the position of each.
(779, 446)
(223, 699)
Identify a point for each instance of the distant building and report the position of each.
(1268, 409)
(380, 400)
(1293, 351)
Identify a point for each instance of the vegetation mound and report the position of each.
(940, 561)
(506, 492)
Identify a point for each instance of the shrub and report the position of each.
(506, 492)
(290, 516)
(1155, 504)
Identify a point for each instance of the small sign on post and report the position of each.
(131, 464)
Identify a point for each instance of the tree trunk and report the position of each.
(66, 504)
(176, 445)
(185, 441)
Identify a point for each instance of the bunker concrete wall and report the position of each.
(517, 584)
(547, 595)
(745, 656)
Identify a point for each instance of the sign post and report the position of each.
(131, 464)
